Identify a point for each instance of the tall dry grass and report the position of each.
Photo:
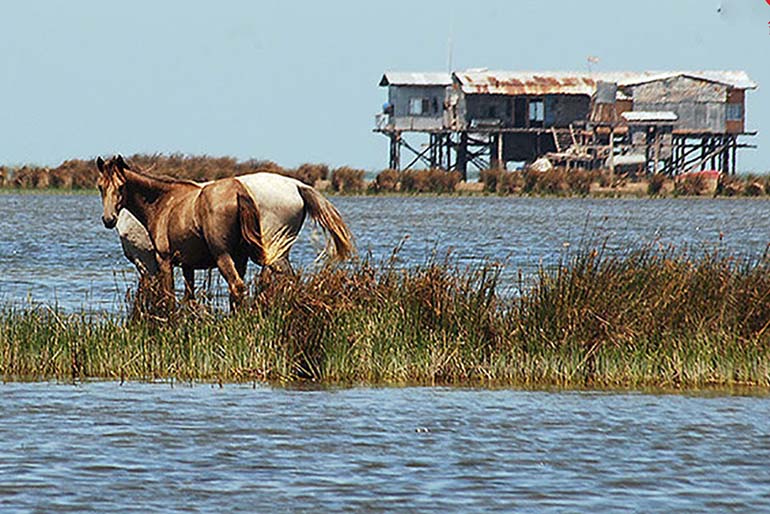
(650, 317)
(348, 180)
(429, 181)
(81, 174)
(558, 181)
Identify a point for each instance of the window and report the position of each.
(734, 112)
(415, 106)
(536, 110)
(418, 106)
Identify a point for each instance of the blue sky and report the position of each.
(297, 82)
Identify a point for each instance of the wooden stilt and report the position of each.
(462, 155)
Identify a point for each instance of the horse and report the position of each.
(282, 204)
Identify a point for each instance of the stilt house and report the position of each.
(678, 121)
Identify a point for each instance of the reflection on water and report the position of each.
(148, 447)
(53, 248)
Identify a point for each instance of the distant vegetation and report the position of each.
(81, 174)
(652, 317)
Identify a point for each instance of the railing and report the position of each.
(381, 121)
(387, 122)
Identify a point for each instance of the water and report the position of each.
(54, 249)
(103, 447)
(137, 447)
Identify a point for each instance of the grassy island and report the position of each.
(653, 317)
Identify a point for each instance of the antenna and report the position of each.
(449, 41)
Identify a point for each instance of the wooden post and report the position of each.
(612, 150)
(395, 151)
(500, 163)
(492, 142)
(442, 151)
(432, 142)
(725, 155)
(462, 155)
(734, 149)
(446, 152)
(679, 155)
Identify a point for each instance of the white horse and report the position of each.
(282, 203)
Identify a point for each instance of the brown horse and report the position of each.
(191, 225)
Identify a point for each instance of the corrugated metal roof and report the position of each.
(405, 78)
(579, 83)
(524, 83)
(650, 116)
(735, 78)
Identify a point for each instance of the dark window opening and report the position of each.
(419, 106)
(519, 112)
(536, 112)
(734, 112)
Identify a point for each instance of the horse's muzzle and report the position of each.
(109, 222)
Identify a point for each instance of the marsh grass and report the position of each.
(653, 317)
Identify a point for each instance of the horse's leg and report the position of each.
(235, 283)
(280, 267)
(283, 266)
(241, 264)
(189, 284)
(166, 271)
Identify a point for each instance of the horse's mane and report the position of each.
(162, 178)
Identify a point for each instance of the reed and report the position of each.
(650, 317)
(429, 181)
(348, 180)
(80, 174)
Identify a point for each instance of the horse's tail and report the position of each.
(264, 249)
(325, 214)
(250, 231)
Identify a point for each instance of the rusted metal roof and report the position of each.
(405, 78)
(578, 83)
(524, 83)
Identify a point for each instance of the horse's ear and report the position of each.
(100, 164)
(121, 163)
(120, 173)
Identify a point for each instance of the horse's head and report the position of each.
(112, 183)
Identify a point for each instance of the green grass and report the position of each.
(649, 318)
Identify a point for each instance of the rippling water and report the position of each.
(104, 447)
(54, 249)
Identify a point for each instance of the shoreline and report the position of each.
(80, 175)
(705, 390)
(603, 193)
